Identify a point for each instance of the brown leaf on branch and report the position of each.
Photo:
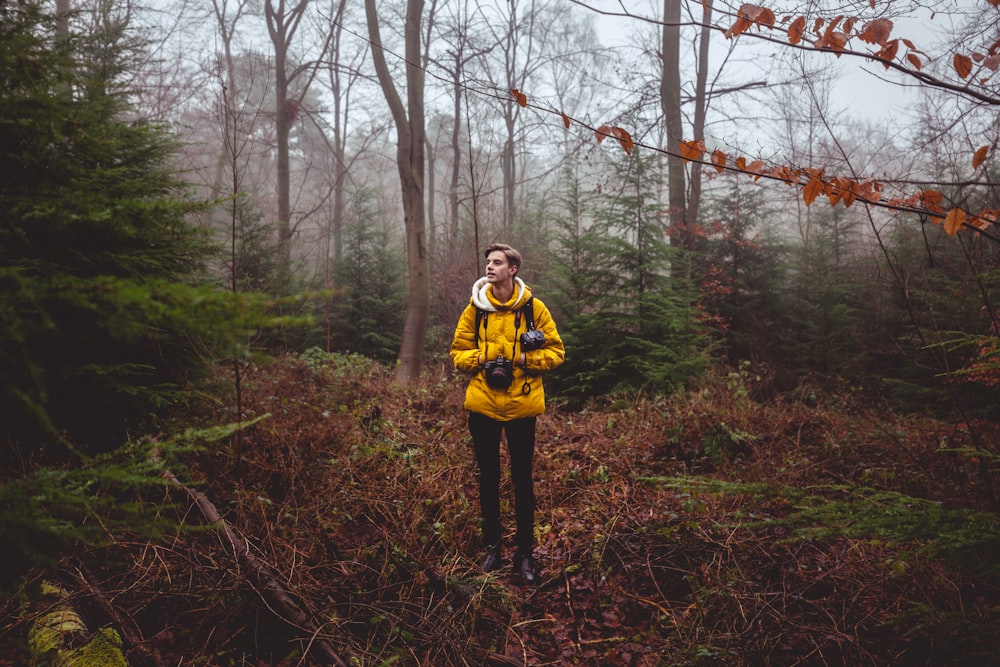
(980, 156)
(914, 60)
(953, 221)
(692, 150)
(624, 138)
(932, 200)
(719, 159)
(748, 16)
(876, 32)
(985, 219)
(888, 52)
(603, 132)
(521, 98)
(565, 121)
(814, 188)
(963, 65)
(755, 169)
(796, 30)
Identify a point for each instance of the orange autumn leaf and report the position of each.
(602, 133)
(980, 156)
(984, 219)
(719, 159)
(755, 169)
(963, 65)
(521, 98)
(624, 138)
(741, 163)
(692, 150)
(796, 30)
(748, 16)
(814, 188)
(876, 32)
(953, 221)
(836, 41)
(565, 121)
(741, 25)
(888, 52)
(932, 200)
(914, 60)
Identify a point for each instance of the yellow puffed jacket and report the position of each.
(525, 397)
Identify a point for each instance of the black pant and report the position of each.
(521, 447)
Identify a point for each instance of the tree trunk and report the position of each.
(670, 101)
(281, 26)
(410, 163)
(700, 107)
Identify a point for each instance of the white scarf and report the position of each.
(482, 301)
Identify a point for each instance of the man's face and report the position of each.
(498, 270)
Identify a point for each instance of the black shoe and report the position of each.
(493, 560)
(525, 564)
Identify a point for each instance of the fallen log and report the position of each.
(59, 637)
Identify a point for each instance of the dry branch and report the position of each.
(274, 595)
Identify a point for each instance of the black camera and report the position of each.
(499, 372)
(532, 340)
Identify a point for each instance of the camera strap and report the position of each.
(529, 314)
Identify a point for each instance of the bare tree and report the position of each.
(282, 24)
(670, 101)
(409, 120)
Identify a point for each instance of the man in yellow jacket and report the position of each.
(505, 340)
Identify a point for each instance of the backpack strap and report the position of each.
(529, 315)
(480, 316)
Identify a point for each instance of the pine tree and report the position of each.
(94, 245)
(636, 325)
(368, 317)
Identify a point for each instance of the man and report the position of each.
(505, 393)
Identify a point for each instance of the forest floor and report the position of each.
(702, 529)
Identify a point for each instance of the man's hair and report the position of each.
(512, 255)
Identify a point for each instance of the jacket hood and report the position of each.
(482, 295)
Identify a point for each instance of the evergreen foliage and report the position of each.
(741, 274)
(633, 323)
(368, 317)
(94, 245)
